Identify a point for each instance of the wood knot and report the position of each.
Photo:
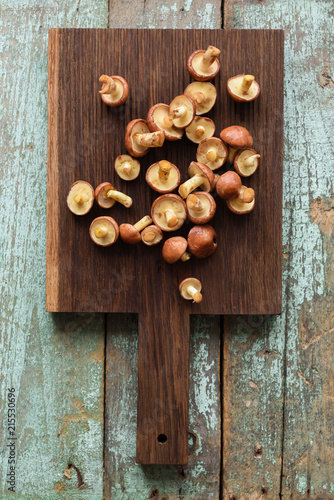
(258, 451)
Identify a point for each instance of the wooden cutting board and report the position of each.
(84, 138)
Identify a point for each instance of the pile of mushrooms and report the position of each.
(194, 200)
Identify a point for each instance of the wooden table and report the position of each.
(261, 389)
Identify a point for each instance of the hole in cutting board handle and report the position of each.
(162, 438)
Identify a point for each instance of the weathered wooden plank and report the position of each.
(55, 363)
(303, 336)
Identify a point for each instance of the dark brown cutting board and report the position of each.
(84, 138)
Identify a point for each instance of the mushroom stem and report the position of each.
(247, 83)
(150, 139)
(250, 161)
(211, 155)
(199, 131)
(247, 196)
(171, 218)
(190, 185)
(210, 56)
(149, 236)
(127, 168)
(164, 170)
(110, 85)
(101, 231)
(78, 198)
(195, 294)
(231, 154)
(178, 112)
(198, 97)
(142, 223)
(194, 203)
(120, 197)
(168, 122)
(186, 256)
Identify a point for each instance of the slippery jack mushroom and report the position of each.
(239, 198)
(204, 94)
(151, 235)
(200, 176)
(246, 162)
(104, 231)
(203, 65)
(175, 249)
(236, 137)
(212, 152)
(158, 119)
(127, 168)
(169, 212)
(190, 289)
(243, 88)
(201, 207)
(114, 91)
(131, 233)
(201, 128)
(182, 111)
(106, 196)
(139, 139)
(163, 176)
(80, 198)
(202, 241)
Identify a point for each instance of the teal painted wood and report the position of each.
(292, 356)
(54, 362)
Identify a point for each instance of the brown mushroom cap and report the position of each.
(119, 95)
(237, 137)
(155, 120)
(241, 167)
(140, 126)
(109, 226)
(195, 283)
(207, 210)
(156, 182)
(235, 88)
(151, 235)
(200, 128)
(196, 69)
(178, 102)
(240, 207)
(208, 178)
(127, 168)
(85, 192)
(168, 202)
(213, 146)
(228, 185)
(129, 234)
(204, 94)
(202, 241)
(174, 248)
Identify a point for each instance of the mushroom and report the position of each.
(182, 111)
(106, 196)
(240, 199)
(163, 176)
(139, 139)
(201, 128)
(127, 168)
(243, 88)
(80, 198)
(200, 176)
(202, 241)
(212, 152)
(204, 94)
(114, 91)
(203, 65)
(201, 207)
(246, 162)
(237, 138)
(169, 212)
(151, 235)
(158, 119)
(104, 231)
(175, 249)
(190, 289)
(243, 203)
(131, 233)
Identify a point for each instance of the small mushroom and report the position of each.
(169, 212)
(151, 235)
(201, 207)
(201, 128)
(212, 152)
(202, 241)
(131, 233)
(114, 91)
(106, 196)
(163, 176)
(158, 119)
(204, 94)
(175, 249)
(243, 88)
(240, 199)
(200, 176)
(237, 138)
(203, 65)
(182, 111)
(127, 168)
(190, 289)
(243, 203)
(80, 198)
(139, 139)
(246, 162)
(104, 231)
